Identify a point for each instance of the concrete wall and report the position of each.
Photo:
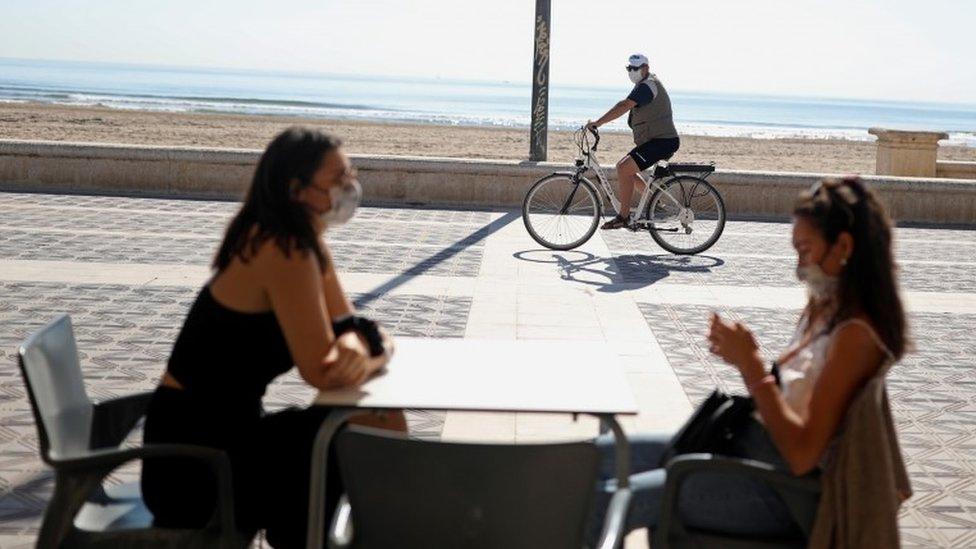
(955, 170)
(128, 169)
(223, 173)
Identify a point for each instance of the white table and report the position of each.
(481, 375)
(497, 376)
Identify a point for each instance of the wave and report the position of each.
(12, 93)
(174, 101)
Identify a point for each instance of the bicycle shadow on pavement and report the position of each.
(615, 274)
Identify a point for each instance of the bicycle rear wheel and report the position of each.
(561, 211)
(690, 223)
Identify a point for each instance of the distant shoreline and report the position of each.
(110, 125)
(366, 98)
(356, 113)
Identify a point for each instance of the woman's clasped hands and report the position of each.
(348, 361)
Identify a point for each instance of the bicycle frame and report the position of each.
(591, 162)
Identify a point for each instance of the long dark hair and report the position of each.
(869, 281)
(270, 210)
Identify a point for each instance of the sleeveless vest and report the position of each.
(653, 120)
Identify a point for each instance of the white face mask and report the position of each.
(821, 287)
(345, 200)
(635, 76)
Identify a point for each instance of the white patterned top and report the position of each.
(799, 373)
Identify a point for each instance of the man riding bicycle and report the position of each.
(654, 132)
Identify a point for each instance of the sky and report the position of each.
(867, 49)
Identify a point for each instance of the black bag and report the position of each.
(711, 427)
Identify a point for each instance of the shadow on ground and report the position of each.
(441, 256)
(625, 272)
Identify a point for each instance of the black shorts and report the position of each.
(654, 150)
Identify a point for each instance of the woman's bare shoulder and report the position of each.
(272, 252)
(270, 263)
(858, 329)
(856, 344)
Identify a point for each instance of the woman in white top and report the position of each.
(852, 326)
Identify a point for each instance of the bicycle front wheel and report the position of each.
(561, 211)
(687, 215)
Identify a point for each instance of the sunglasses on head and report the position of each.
(841, 189)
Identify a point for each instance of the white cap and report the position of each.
(637, 60)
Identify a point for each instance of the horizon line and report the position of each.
(494, 82)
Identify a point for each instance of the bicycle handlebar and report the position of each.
(596, 136)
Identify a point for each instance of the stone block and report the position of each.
(907, 153)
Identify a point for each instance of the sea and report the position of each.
(457, 102)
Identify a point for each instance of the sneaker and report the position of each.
(618, 222)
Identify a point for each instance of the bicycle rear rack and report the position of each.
(668, 169)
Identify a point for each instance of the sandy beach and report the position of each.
(104, 125)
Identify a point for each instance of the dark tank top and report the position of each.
(226, 355)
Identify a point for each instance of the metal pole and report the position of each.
(539, 130)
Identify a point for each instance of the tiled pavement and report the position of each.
(127, 269)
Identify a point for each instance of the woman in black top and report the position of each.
(271, 304)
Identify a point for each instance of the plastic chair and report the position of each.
(672, 532)
(80, 440)
(419, 494)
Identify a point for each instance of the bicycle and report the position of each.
(562, 210)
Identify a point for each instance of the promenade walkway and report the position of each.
(127, 269)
